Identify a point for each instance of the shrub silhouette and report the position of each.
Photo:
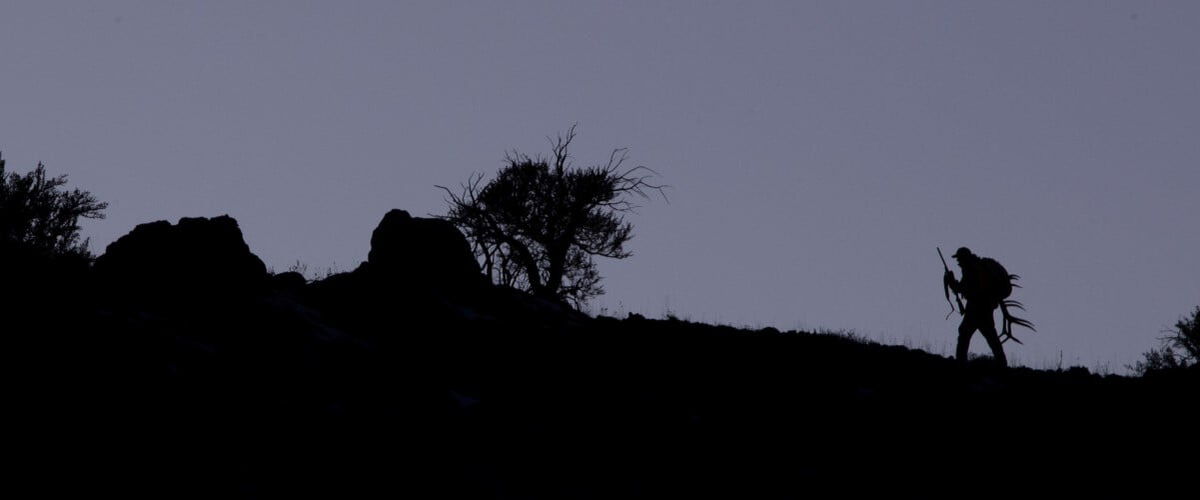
(540, 222)
(1179, 349)
(37, 216)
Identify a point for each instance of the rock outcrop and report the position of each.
(421, 254)
(196, 255)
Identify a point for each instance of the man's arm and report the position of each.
(949, 280)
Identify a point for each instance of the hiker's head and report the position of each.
(963, 255)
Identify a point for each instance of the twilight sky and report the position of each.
(817, 151)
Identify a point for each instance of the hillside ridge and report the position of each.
(178, 363)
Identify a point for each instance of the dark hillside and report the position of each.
(177, 366)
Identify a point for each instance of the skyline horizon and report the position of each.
(944, 347)
(817, 153)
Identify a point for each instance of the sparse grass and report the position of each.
(302, 269)
(939, 347)
(847, 334)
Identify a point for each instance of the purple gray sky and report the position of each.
(817, 151)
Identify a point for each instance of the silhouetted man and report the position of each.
(977, 288)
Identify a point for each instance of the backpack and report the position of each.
(997, 284)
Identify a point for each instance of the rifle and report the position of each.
(946, 289)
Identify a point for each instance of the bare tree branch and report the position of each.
(539, 222)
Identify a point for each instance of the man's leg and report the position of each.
(965, 330)
(987, 327)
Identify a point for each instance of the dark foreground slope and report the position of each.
(177, 366)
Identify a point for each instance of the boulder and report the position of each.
(290, 280)
(422, 253)
(198, 254)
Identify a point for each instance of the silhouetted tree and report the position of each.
(1179, 349)
(37, 216)
(540, 222)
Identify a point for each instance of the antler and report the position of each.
(1010, 320)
